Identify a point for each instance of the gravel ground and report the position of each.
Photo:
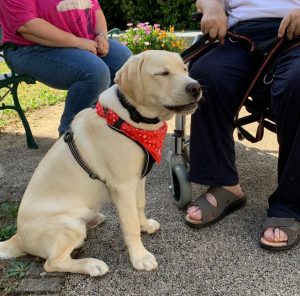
(223, 259)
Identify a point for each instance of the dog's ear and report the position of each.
(129, 79)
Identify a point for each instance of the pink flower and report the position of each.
(141, 25)
(129, 24)
(156, 25)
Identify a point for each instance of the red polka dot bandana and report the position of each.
(151, 140)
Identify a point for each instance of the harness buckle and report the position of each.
(93, 176)
(68, 136)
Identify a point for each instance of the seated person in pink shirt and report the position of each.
(63, 44)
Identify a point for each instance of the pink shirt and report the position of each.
(75, 16)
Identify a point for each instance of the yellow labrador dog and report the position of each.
(73, 180)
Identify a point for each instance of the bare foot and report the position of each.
(274, 237)
(194, 213)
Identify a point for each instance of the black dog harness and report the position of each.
(149, 141)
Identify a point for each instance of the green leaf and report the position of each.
(7, 232)
(18, 269)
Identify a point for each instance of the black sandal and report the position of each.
(289, 225)
(227, 202)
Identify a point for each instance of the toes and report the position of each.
(195, 215)
(102, 218)
(282, 236)
(98, 268)
(269, 234)
(146, 262)
(192, 209)
(194, 212)
(153, 226)
(285, 237)
(275, 235)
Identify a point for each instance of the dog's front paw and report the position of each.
(95, 267)
(145, 261)
(151, 226)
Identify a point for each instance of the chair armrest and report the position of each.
(3, 49)
(113, 31)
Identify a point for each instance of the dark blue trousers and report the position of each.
(224, 72)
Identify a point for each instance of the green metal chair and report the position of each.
(10, 82)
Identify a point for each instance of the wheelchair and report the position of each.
(256, 101)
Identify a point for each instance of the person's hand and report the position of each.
(214, 23)
(86, 44)
(102, 45)
(291, 25)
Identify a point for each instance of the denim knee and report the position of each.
(96, 77)
(118, 55)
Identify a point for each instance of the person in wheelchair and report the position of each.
(225, 72)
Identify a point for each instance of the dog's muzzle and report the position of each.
(194, 93)
(194, 90)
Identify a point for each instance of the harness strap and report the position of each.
(69, 139)
(268, 59)
(149, 160)
(204, 44)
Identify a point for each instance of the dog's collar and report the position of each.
(134, 114)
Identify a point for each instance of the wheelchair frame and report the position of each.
(259, 111)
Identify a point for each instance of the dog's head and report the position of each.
(158, 80)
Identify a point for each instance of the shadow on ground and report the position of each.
(223, 259)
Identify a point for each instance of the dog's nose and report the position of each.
(194, 89)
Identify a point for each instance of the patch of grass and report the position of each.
(18, 269)
(7, 232)
(31, 97)
(8, 215)
(9, 209)
(10, 272)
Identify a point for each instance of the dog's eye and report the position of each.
(164, 73)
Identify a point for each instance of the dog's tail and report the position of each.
(11, 248)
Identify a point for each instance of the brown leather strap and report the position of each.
(279, 45)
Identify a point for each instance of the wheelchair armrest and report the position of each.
(197, 16)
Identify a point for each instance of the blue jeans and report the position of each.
(82, 73)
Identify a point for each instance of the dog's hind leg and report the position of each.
(59, 259)
(11, 248)
(98, 219)
(147, 225)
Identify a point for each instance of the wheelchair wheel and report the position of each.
(182, 195)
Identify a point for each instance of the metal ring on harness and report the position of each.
(233, 41)
(267, 82)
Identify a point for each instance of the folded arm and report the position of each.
(101, 38)
(42, 32)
